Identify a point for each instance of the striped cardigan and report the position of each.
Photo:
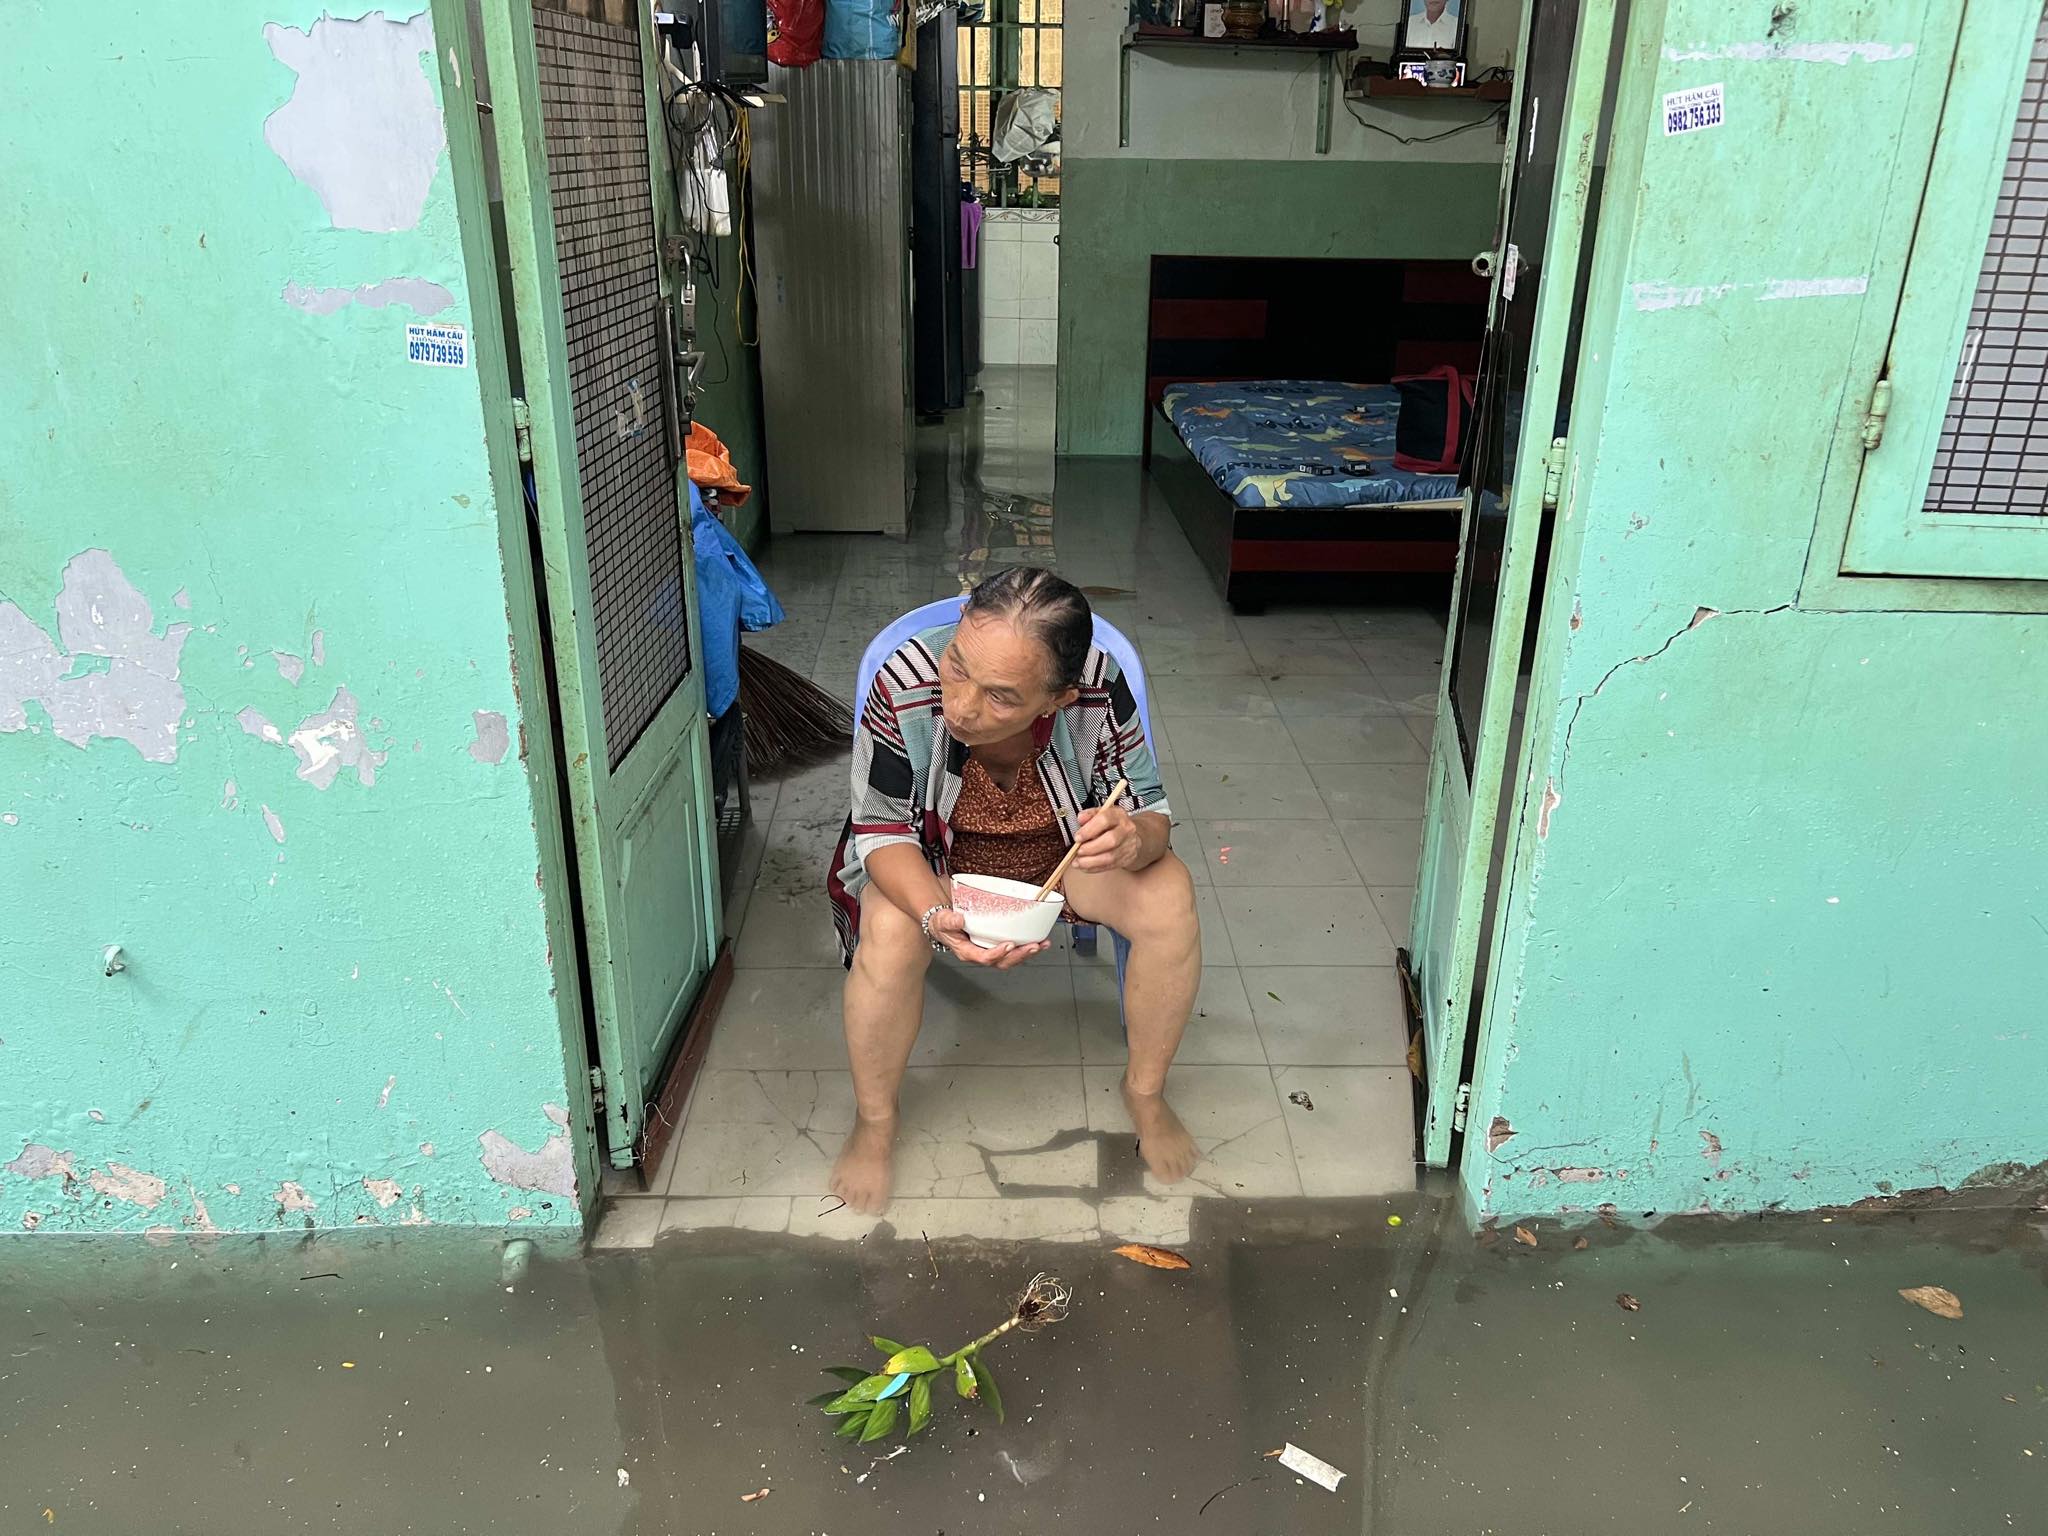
(906, 767)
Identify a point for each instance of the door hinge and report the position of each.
(597, 1092)
(1553, 470)
(522, 429)
(1464, 1104)
(1873, 419)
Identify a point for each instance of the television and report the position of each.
(730, 38)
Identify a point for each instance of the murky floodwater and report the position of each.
(1772, 1381)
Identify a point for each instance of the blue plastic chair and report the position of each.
(1107, 638)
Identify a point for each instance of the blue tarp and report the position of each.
(731, 596)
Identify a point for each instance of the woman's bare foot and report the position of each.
(1169, 1151)
(866, 1169)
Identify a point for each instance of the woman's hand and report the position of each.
(949, 928)
(1107, 838)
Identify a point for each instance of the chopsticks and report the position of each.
(1060, 869)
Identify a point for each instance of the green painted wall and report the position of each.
(259, 718)
(1117, 214)
(1774, 933)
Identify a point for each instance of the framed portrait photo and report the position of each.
(1433, 26)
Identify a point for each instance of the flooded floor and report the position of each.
(1292, 748)
(1772, 1381)
(1769, 1377)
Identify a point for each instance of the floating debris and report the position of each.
(1314, 1468)
(1156, 1258)
(1942, 1303)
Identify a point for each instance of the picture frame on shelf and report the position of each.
(1433, 28)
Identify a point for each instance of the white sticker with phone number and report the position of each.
(437, 346)
(1691, 110)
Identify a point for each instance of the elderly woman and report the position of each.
(987, 747)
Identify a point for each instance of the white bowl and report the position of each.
(1016, 920)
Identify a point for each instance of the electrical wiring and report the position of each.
(741, 173)
(1498, 115)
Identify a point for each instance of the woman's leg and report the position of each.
(1154, 908)
(884, 1008)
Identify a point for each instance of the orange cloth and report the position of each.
(710, 464)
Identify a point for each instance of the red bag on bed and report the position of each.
(1436, 413)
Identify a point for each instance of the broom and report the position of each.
(788, 718)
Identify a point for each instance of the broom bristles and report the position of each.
(788, 717)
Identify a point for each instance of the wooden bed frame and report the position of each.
(1217, 321)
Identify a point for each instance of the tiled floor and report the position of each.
(1293, 746)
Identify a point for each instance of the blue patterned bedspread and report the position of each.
(1300, 443)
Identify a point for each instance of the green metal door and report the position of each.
(1511, 470)
(571, 108)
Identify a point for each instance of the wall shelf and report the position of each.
(1323, 47)
(1415, 90)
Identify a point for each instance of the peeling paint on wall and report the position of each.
(550, 1170)
(330, 741)
(135, 697)
(384, 1191)
(40, 1162)
(253, 721)
(270, 820)
(415, 293)
(291, 1197)
(362, 128)
(289, 667)
(492, 738)
(120, 1182)
(1795, 53)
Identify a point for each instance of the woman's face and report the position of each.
(993, 681)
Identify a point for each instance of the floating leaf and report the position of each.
(886, 1346)
(917, 1359)
(985, 1379)
(1525, 1237)
(1580, 1244)
(920, 1403)
(823, 1398)
(851, 1425)
(1628, 1303)
(963, 1379)
(1155, 1258)
(880, 1422)
(755, 1498)
(852, 1375)
(870, 1388)
(1942, 1303)
(1274, 995)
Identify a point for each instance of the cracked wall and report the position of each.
(256, 697)
(1777, 923)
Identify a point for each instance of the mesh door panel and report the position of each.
(596, 130)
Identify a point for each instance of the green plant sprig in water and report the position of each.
(871, 1406)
